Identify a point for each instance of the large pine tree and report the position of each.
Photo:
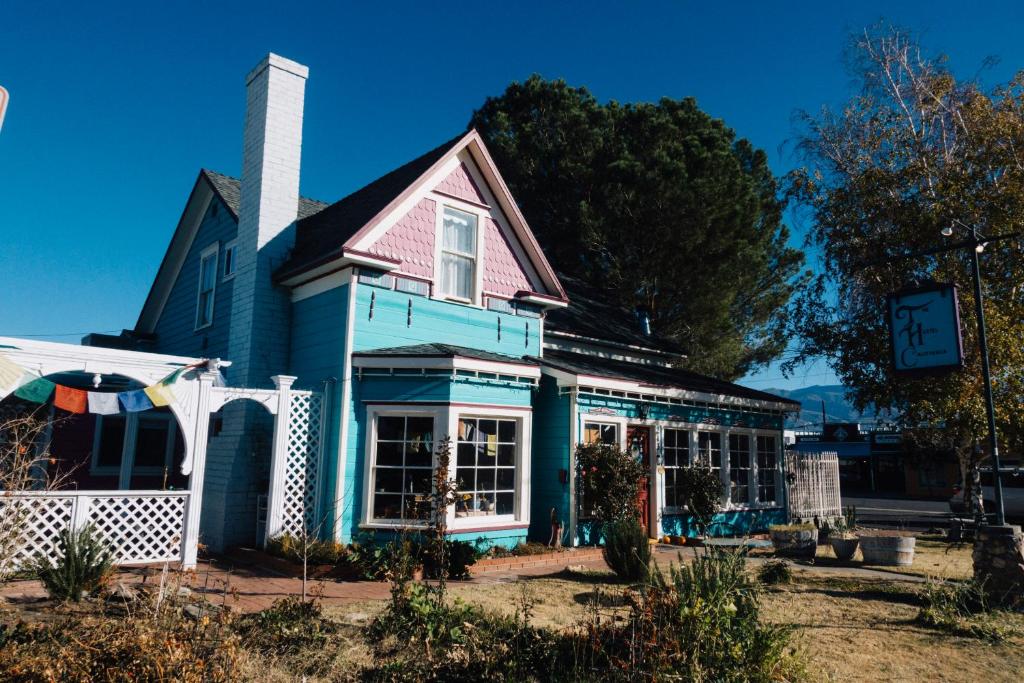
(658, 204)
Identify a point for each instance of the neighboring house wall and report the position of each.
(176, 329)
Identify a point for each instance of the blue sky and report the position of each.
(115, 107)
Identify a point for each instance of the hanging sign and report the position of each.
(924, 329)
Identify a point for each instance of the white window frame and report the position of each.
(660, 450)
(446, 422)
(230, 254)
(478, 265)
(213, 249)
(127, 467)
(756, 468)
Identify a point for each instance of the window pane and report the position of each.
(418, 454)
(506, 455)
(485, 479)
(505, 504)
(507, 431)
(389, 454)
(389, 480)
(390, 428)
(506, 478)
(417, 481)
(467, 430)
(459, 231)
(466, 455)
(457, 276)
(466, 478)
(420, 429)
(387, 507)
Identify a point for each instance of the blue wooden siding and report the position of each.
(394, 324)
(731, 523)
(175, 330)
(317, 356)
(551, 448)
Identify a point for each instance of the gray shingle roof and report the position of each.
(676, 378)
(325, 232)
(229, 190)
(443, 351)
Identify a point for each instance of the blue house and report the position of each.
(422, 307)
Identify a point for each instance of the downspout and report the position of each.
(573, 440)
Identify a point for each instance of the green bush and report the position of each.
(700, 492)
(461, 555)
(84, 564)
(626, 549)
(607, 479)
(774, 572)
(317, 552)
(295, 630)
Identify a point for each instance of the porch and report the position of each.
(125, 449)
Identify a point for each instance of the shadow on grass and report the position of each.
(860, 592)
(601, 599)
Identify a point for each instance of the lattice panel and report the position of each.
(813, 486)
(302, 465)
(141, 528)
(30, 524)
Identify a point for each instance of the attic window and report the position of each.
(458, 254)
(229, 260)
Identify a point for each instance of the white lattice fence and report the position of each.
(140, 526)
(813, 485)
(302, 464)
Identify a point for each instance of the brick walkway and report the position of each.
(250, 589)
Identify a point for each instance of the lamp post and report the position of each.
(979, 242)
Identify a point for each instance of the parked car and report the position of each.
(1013, 493)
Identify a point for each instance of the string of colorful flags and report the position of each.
(29, 386)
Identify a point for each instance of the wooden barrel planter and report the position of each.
(888, 549)
(795, 540)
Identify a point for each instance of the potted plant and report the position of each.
(794, 540)
(843, 540)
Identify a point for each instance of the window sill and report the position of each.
(203, 327)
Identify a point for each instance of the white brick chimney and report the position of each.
(271, 155)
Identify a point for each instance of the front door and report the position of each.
(638, 441)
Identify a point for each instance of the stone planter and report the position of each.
(888, 549)
(794, 541)
(844, 548)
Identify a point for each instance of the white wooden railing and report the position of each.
(813, 486)
(140, 526)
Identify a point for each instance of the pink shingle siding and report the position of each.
(460, 184)
(411, 240)
(502, 273)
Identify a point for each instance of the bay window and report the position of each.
(458, 254)
(485, 470)
(403, 461)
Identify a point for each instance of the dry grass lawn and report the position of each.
(933, 557)
(848, 629)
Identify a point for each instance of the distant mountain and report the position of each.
(837, 408)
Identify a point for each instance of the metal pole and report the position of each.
(989, 406)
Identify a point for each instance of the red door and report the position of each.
(638, 441)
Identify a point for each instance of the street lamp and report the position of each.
(977, 240)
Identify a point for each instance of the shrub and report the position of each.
(626, 549)
(84, 564)
(375, 561)
(700, 491)
(701, 623)
(607, 479)
(461, 555)
(137, 647)
(317, 552)
(961, 608)
(293, 629)
(774, 572)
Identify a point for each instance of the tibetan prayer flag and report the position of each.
(10, 375)
(71, 400)
(173, 377)
(103, 403)
(37, 391)
(135, 401)
(160, 394)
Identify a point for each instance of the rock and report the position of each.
(184, 592)
(196, 612)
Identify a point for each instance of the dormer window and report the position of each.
(458, 255)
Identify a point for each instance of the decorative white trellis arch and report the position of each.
(156, 526)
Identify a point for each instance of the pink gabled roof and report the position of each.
(323, 237)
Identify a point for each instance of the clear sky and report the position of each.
(115, 107)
